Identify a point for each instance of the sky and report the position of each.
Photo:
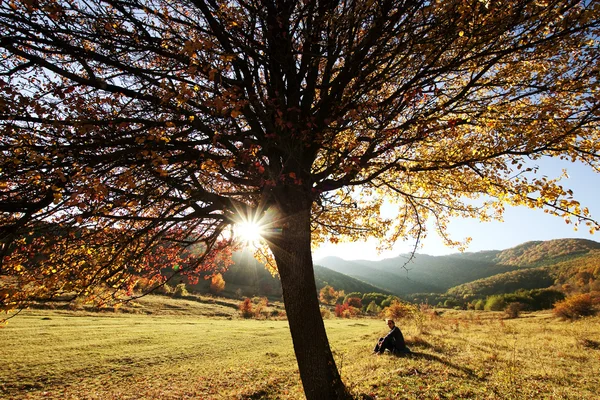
(520, 225)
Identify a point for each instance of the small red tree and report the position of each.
(355, 302)
(346, 311)
(246, 308)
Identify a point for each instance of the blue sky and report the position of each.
(520, 224)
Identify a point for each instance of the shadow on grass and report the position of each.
(430, 357)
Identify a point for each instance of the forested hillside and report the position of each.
(508, 282)
(561, 263)
(538, 253)
(567, 265)
(580, 273)
(403, 276)
(248, 277)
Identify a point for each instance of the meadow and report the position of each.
(203, 351)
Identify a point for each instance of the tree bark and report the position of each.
(292, 251)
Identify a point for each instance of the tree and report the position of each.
(136, 133)
(328, 295)
(217, 283)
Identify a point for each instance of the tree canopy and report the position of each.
(136, 132)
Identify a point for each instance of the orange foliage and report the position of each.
(577, 306)
(217, 283)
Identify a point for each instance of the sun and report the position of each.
(249, 232)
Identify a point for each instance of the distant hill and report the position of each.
(538, 253)
(325, 276)
(576, 269)
(248, 277)
(493, 271)
(392, 278)
(508, 282)
(422, 273)
(531, 265)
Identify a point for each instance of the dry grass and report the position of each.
(474, 355)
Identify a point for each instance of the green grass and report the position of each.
(475, 355)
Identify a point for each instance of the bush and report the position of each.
(450, 303)
(261, 306)
(328, 295)
(479, 305)
(378, 298)
(513, 310)
(387, 302)
(354, 302)
(495, 303)
(346, 311)
(143, 285)
(352, 294)
(373, 308)
(180, 291)
(574, 307)
(398, 310)
(246, 308)
(217, 283)
(325, 313)
(164, 289)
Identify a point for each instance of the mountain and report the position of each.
(508, 282)
(325, 276)
(402, 275)
(493, 271)
(568, 263)
(388, 278)
(565, 271)
(538, 253)
(248, 277)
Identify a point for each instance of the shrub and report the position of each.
(260, 309)
(390, 299)
(513, 310)
(346, 311)
(354, 302)
(373, 308)
(164, 289)
(217, 283)
(180, 291)
(246, 308)
(574, 307)
(378, 298)
(352, 294)
(451, 303)
(419, 315)
(479, 304)
(143, 285)
(328, 295)
(495, 303)
(398, 310)
(325, 313)
(351, 312)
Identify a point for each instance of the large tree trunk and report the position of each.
(292, 251)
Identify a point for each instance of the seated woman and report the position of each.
(393, 341)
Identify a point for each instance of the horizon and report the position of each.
(455, 252)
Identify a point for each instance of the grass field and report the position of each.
(175, 355)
